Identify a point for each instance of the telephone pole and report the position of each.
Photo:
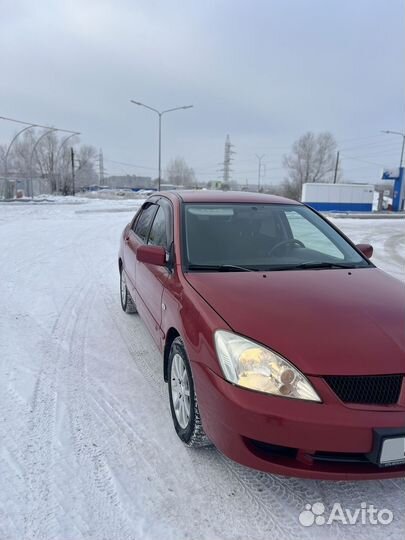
(336, 167)
(72, 157)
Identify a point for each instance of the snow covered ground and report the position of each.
(87, 448)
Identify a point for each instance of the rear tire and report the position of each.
(183, 399)
(127, 304)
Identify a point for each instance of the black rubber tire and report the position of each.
(127, 304)
(193, 435)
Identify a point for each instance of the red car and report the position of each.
(282, 344)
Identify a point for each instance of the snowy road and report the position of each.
(87, 445)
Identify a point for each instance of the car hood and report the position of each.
(327, 322)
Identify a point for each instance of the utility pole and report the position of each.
(259, 170)
(72, 157)
(336, 167)
(227, 160)
(58, 153)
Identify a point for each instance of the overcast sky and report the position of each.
(263, 71)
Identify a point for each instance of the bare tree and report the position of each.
(84, 163)
(86, 173)
(51, 162)
(179, 173)
(45, 159)
(18, 163)
(3, 150)
(3, 187)
(312, 159)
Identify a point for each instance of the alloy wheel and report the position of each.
(180, 388)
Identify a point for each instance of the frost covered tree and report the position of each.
(179, 173)
(46, 158)
(86, 173)
(312, 159)
(50, 161)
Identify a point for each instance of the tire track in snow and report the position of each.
(142, 350)
(39, 454)
(102, 502)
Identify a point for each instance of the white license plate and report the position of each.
(393, 451)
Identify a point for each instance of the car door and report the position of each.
(137, 235)
(150, 279)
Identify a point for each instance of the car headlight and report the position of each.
(248, 364)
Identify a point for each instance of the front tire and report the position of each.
(127, 304)
(183, 399)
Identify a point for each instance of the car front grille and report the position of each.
(370, 389)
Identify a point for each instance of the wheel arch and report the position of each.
(171, 335)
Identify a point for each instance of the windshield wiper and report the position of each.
(221, 268)
(323, 264)
(314, 265)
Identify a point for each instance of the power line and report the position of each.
(379, 144)
(364, 161)
(360, 138)
(130, 164)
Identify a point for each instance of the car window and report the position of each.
(168, 212)
(144, 221)
(158, 233)
(312, 238)
(262, 237)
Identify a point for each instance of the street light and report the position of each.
(160, 114)
(403, 143)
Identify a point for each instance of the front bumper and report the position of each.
(328, 440)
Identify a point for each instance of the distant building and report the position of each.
(128, 181)
(169, 187)
(338, 197)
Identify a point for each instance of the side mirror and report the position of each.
(151, 255)
(366, 249)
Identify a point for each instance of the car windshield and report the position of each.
(249, 237)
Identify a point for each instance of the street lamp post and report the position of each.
(160, 114)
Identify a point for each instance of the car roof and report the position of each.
(216, 196)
